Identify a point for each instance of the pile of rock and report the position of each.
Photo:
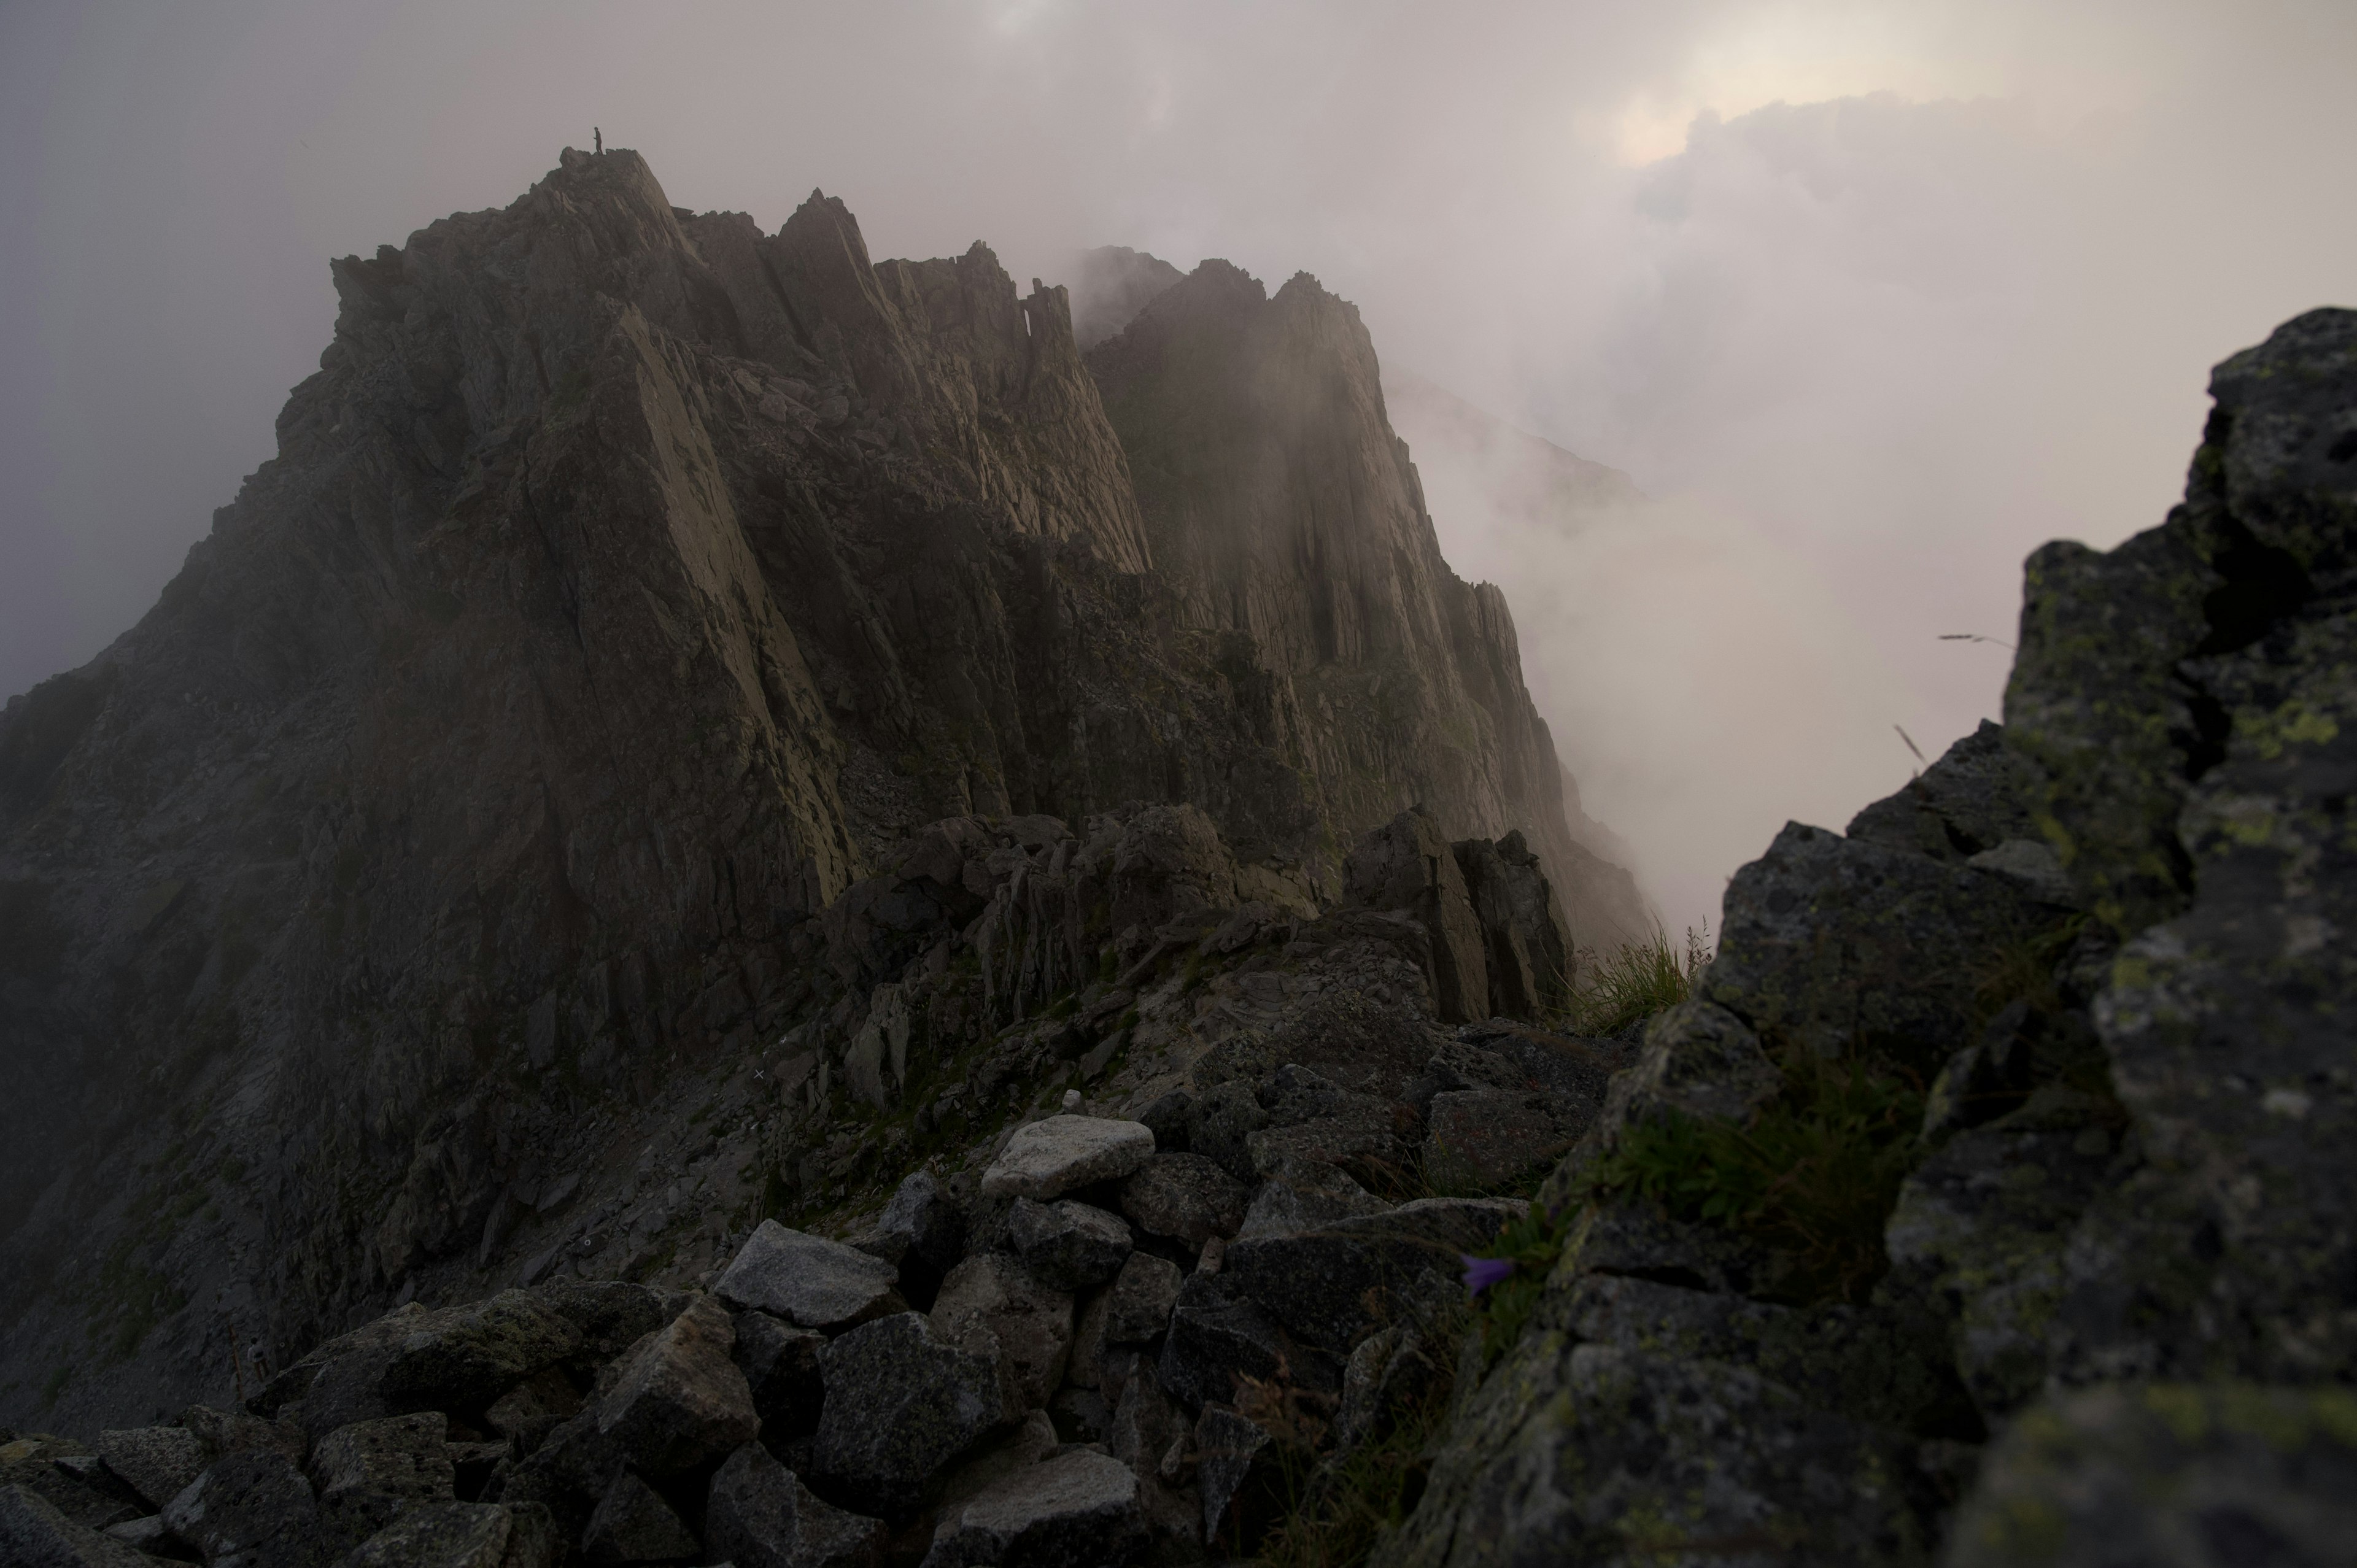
(1092, 1352)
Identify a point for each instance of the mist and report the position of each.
(1866, 300)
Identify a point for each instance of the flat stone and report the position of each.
(901, 1402)
(1068, 1245)
(255, 1508)
(1187, 1198)
(35, 1533)
(992, 1306)
(676, 1399)
(809, 1280)
(781, 1366)
(1138, 1305)
(1047, 1158)
(633, 1524)
(760, 1515)
(464, 1358)
(1076, 1510)
(368, 1472)
(1479, 1140)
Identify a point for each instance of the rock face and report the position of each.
(2113, 1240)
(645, 636)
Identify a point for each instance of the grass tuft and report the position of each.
(1813, 1174)
(1610, 994)
(1339, 1513)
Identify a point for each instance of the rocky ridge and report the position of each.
(653, 639)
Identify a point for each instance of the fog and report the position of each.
(1867, 299)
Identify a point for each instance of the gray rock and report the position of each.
(464, 1358)
(760, 1515)
(1219, 1122)
(35, 1533)
(1479, 1140)
(157, 1462)
(1526, 940)
(460, 1535)
(676, 1399)
(1137, 1309)
(922, 1223)
(256, 1509)
(1332, 1285)
(781, 1366)
(1303, 1194)
(1047, 1158)
(633, 1524)
(223, 1433)
(1392, 1373)
(992, 1308)
(1187, 1198)
(149, 1534)
(1077, 1509)
(1085, 1367)
(372, 1471)
(1970, 803)
(611, 1315)
(809, 1280)
(1313, 1119)
(901, 1402)
(1406, 865)
(529, 1412)
(1067, 1245)
(1215, 1339)
(2208, 1475)
(1236, 1472)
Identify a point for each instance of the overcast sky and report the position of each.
(1872, 297)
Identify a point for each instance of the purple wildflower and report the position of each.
(1480, 1274)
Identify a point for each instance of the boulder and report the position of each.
(373, 1470)
(809, 1280)
(462, 1535)
(676, 1399)
(529, 1412)
(35, 1533)
(1067, 1245)
(157, 1462)
(633, 1524)
(1479, 1140)
(611, 1315)
(96, 1499)
(923, 1225)
(781, 1366)
(901, 1401)
(1047, 1158)
(1216, 1338)
(1238, 1475)
(992, 1307)
(1219, 1121)
(1137, 1309)
(1187, 1198)
(1304, 1194)
(464, 1358)
(1527, 942)
(2193, 1472)
(223, 1433)
(1310, 1118)
(1332, 1285)
(258, 1509)
(760, 1515)
(1076, 1510)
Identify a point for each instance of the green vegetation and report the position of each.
(1641, 979)
(1530, 1245)
(1813, 1174)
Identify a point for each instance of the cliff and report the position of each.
(629, 590)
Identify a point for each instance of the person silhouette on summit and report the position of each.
(597, 140)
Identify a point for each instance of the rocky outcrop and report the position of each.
(653, 641)
(2088, 1299)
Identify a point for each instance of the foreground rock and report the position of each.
(1074, 1510)
(901, 1404)
(1049, 1158)
(809, 1280)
